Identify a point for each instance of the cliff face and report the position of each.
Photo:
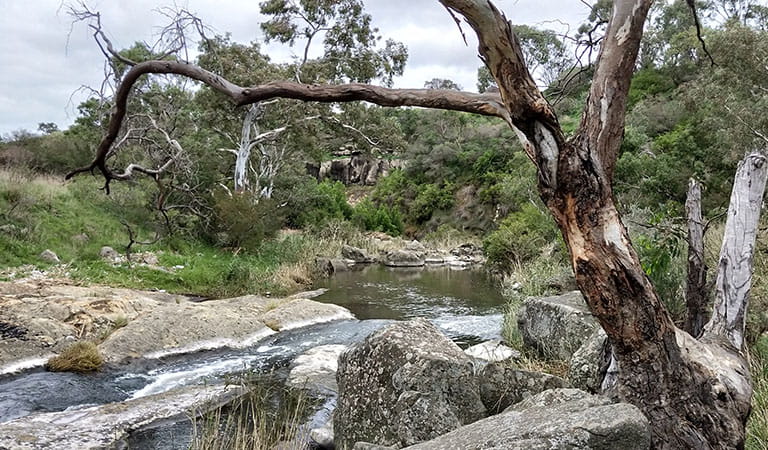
(357, 169)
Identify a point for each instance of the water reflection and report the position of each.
(378, 292)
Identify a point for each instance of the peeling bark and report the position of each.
(734, 270)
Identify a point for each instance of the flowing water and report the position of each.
(465, 305)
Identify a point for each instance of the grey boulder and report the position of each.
(572, 420)
(404, 384)
(556, 326)
(502, 385)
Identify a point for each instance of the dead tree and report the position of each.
(696, 291)
(696, 393)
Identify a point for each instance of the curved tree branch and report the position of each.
(484, 104)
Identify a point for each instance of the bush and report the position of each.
(378, 218)
(430, 199)
(520, 237)
(81, 357)
(313, 203)
(244, 221)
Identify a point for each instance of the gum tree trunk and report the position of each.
(696, 298)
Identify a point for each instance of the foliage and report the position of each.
(757, 427)
(312, 203)
(383, 218)
(521, 236)
(243, 220)
(81, 357)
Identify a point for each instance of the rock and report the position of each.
(316, 368)
(302, 312)
(187, 327)
(403, 258)
(415, 246)
(358, 169)
(590, 362)
(552, 397)
(403, 384)
(106, 426)
(467, 250)
(81, 238)
(368, 446)
(149, 258)
(502, 385)
(49, 256)
(492, 351)
(556, 326)
(322, 437)
(329, 266)
(434, 258)
(358, 255)
(109, 253)
(563, 282)
(580, 423)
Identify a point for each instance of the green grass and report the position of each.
(44, 213)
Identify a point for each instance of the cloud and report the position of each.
(43, 64)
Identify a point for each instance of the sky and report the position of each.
(44, 60)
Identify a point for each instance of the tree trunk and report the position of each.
(696, 298)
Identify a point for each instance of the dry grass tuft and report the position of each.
(80, 357)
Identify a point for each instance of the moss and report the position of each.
(80, 357)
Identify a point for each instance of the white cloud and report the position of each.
(42, 64)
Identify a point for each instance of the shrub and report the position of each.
(378, 218)
(81, 357)
(430, 199)
(520, 237)
(244, 221)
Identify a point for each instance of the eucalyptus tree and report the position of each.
(695, 392)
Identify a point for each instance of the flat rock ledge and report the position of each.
(38, 321)
(106, 426)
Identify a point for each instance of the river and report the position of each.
(464, 304)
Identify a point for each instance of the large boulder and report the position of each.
(502, 385)
(556, 326)
(554, 419)
(589, 364)
(404, 258)
(404, 384)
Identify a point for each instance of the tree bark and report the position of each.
(696, 295)
(695, 393)
(734, 270)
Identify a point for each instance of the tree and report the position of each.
(696, 393)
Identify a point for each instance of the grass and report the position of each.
(80, 357)
(267, 416)
(757, 427)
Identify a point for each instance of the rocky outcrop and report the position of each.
(554, 420)
(404, 384)
(106, 426)
(357, 169)
(404, 258)
(37, 321)
(502, 385)
(557, 326)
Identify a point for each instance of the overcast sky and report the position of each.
(42, 64)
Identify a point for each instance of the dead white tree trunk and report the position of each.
(696, 295)
(734, 270)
